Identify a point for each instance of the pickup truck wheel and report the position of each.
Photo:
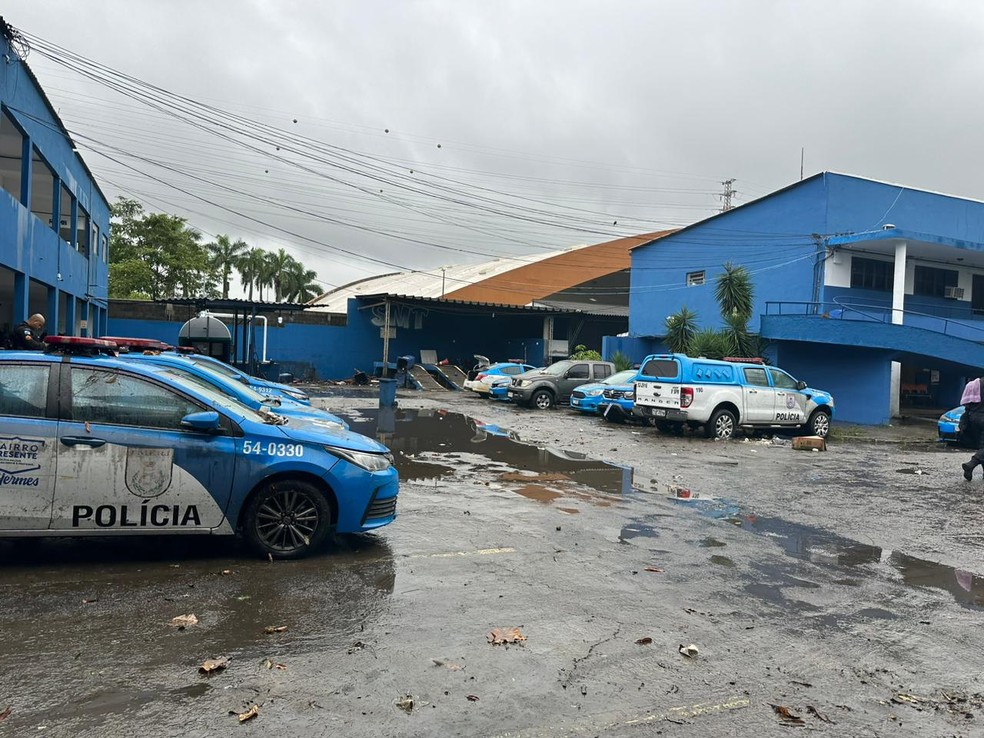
(721, 425)
(542, 400)
(819, 423)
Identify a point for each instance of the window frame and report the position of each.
(754, 369)
(696, 278)
(773, 372)
(877, 275)
(941, 279)
(46, 405)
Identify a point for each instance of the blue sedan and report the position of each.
(948, 425)
(91, 444)
(588, 397)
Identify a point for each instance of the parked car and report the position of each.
(948, 426)
(544, 388)
(588, 397)
(674, 389)
(136, 454)
(502, 371)
(263, 386)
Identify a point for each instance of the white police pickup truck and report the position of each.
(674, 390)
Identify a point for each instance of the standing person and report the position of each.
(972, 425)
(30, 334)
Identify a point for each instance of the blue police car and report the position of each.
(588, 397)
(263, 386)
(91, 444)
(155, 352)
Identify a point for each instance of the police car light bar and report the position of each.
(139, 344)
(77, 344)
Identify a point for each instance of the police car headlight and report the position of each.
(369, 462)
(593, 392)
(628, 396)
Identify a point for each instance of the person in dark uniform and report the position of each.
(30, 334)
(972, 425)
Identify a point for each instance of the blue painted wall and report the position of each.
(29, 246)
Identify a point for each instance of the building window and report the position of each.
(932, 282)
(11, 156)
(872, 274)
(695, 279)
(82, 232)
(105, 248)
(42, 190)
(65, 227)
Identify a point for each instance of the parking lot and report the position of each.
(834, 591)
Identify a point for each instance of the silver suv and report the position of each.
(544, 388)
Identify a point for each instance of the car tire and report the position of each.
(542, 400)
(722, 424)
(818, 424)
(287, 519)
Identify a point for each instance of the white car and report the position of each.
(493, 375)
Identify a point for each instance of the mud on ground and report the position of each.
(840, 587)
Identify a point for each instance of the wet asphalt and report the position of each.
(841, 586)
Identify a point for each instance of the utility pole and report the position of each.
(729, 192)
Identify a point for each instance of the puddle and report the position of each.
(429, 444)
(722, 561)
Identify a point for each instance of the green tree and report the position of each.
(251, 268)
(734, 292)
(225, 255)
(709, 343)
(583, 353)
(300, 284)
(680, 330)
(280, 263)
(621, 361)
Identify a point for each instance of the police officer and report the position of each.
(972, 425)
(30, 334)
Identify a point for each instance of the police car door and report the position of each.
(760, 398)
(126, 464)
(27, 446)
(790, 402)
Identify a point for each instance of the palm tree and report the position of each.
(680, 330)
(225, 255)
(734, 292)
(281, 263)
(251, 267)
(300, 284)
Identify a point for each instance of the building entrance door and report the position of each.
(977, 295)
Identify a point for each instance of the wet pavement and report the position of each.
(842, 585)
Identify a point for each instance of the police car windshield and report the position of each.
(621, 377)
(559, 368)
(227, 403)
(216, 366)
(242, 391)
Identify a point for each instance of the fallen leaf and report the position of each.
(816, 713)
(644, 641)
(655, 569)
(785, 714)
(280, 666)
(266, 663)
(472, 698)
(405, 703)
(249, 714)
(497, 636)
(226, 572)
(271, 629)
(905, 699)
(213, 665)
(5, 713)
(183, 621)
(89, 600)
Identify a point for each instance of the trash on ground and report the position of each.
(786, 716)
(449, 665)
(690, 651)
(89, 600)
(249, 714)
(680, 492)
(906, 699)
(472, 698)
(644, 641)
(183, 621)
(5, 713)
(809, 443)
(271, 629)
(226, 572)
(405, 703)
(497, 636)
(268, 664)
(211, 666)
(655, 569)
(818, 715)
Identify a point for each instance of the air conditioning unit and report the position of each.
(953, 293)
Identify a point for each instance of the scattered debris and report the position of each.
(211, 666)
(249, 714)
(405, 703)
(644, 641)
(449, 665)
(906, 699)
(472, 698)
(802, 684)
(5, 713)
(690, 651)
(654, 569)
(226, 572)
(270, 557)
(681, 493)
(818, 715)
(786, 716)
(357, 646)
(89, 600)
(271, 629)
(497, 636)
(809, 443)
(183, 621)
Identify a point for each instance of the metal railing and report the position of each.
(840, 309)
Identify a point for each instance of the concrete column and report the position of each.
(898, 283)
(86, 315)
(51, 319)
(22, 297)
(69, 327)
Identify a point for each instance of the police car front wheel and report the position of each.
(287, 519)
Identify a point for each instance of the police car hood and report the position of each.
(820, 397)
(313, 430)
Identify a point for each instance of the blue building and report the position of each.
(871, 290)
(54, 220)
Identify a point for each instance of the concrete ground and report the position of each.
(835, 592)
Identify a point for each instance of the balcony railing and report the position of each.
(840, 309)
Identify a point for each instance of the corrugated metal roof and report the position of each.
(616, 311)
(433, 283)
(539, 308)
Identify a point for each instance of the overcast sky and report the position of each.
(416, 134)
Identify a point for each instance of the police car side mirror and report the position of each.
(206, 421)
(801, 385)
